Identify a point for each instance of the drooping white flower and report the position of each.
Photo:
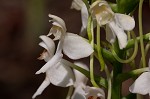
(71, 44)
(116, 23)
(79, 5)
(82, 91)
(74, 46)
(141, 84)
(58, 74)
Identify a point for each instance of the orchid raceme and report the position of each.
(58, 74)
(107, 57)
(141, 84)
(116, 24)
(82, 91)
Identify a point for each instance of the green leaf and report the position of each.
(99, 80)
(127, 6)
(131, 41)
(134, 73)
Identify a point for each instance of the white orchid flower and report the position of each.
(74, 46)
(116, 24)
(141, 84)
(82, 91)
(79, 5)
(58, 74)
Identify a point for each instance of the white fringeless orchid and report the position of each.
(74, 46)
(58, 74)
(116, 24)
(79, 5)
(82, 91)
(141, 84)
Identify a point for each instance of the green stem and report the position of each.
(98, 79)
(86, 3)
(132, 63)
(139, 96)
(133, 55)
(141, 33)
(146, 51)
(131, 42)
(124, 76)
(101, 60)
(89, 28)
(117, 69)
(108, 55)
(69, 92)
(109, 82)
(92, 60)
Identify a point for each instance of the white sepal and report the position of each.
(110, 36)
(77, 4)
(59, 21)
(101, 11)
(79, 93)
(48, 44)
(126, 22)
(141, 84)
(53, 61)
(61, 75)
(45, 83)
(84, 16)
(119, 32)
(80, 79)
(75, 47)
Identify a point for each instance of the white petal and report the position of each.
(102, 12)
(121, 35)
(79, 93)
(84, 16)
(95, 92)
(56, 31)
(77, 4)
(45, 83)
(58, 20)
(75, 47)
(110, 36)
(48, 44)
(61, 75)
(141, 84)
(80, 78)
(54, 60)
(125, 21)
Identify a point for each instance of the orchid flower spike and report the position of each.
(82, 91)
(116, 23)
(141, 84)
(58, 74)
(74, 46)
(79, 5)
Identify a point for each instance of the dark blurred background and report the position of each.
(21, 24)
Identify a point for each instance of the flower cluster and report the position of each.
(58, 73)
(118, 27)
